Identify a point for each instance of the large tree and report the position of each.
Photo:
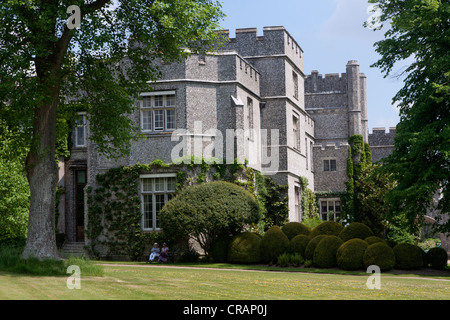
(51, 64)
(419, 35)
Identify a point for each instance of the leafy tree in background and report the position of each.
(419, 30)
(50, 68)
(14, 190)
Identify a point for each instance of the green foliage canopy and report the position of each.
(419, 34)
(100, 67)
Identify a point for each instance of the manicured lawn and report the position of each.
(163, 282)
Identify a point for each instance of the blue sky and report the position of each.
(330, 33)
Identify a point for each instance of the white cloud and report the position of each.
(347, 22)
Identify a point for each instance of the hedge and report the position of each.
(207, 210)
(298, 244)
(350, 254)
(355, 230)
(331, 228)
(273, 243)
(293, 229)
(408, 256)
(374, 239)
(309, 250)
(245, 248)
(381, 255)
(325, 252)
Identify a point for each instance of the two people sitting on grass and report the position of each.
(161, 254)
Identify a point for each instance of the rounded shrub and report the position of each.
(298, 244)
(408, 256)
(205, 210)
(355, 230)
(244, 248)
(374, 239)
(437, 258)
(325, 252)
(331, 228)
(381, 255)
(273, 243)
(291, 229)
(309, 250)
(350, 254)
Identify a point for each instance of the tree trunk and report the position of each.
(41, 239)
(42, 173)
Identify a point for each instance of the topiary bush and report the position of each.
(355, 230)
(273, 243)
(374, 239)
(331, 228)
(298, 244)
(325, 252)
(244, 248)
(205, 211)
(408, 256)
(437, 258)
(293, 229)
(381, 255)
(309, 250)
(350, 254)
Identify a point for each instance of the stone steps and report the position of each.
(73, 249)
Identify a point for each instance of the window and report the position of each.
(296, 132)
(80, 130)
(306, 153)
(158, 112)
(250, 119)
(155, 192)
(297, 203)
(329, 165)
(330, 209)
(295, 79)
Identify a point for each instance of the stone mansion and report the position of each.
(253, 85)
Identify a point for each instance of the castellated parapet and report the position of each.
(381, 142)
(332, 83)
(338, 103)
(275, 41)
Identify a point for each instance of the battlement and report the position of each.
(276, 40)
(332, 83)
(316, 83)
(381, 137)
(382, 131)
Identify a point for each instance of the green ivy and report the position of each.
(359, 157)
(114, 215)
(309, 204)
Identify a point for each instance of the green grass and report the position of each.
(187, 283)
(11, 261)
(34, 279)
